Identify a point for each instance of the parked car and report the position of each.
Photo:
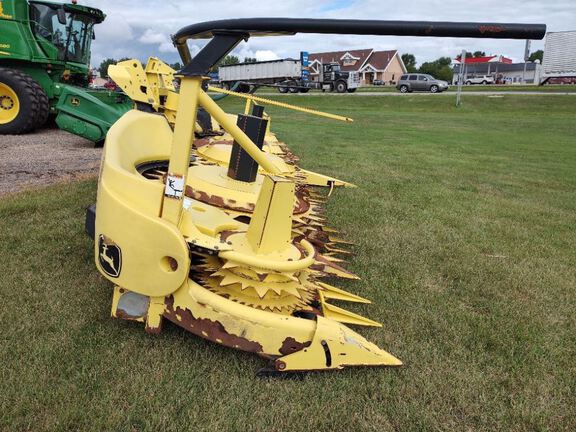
(378, 82)
(420, 82)
(479, 79)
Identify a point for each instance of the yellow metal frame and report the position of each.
(251, 99)
(152, 224)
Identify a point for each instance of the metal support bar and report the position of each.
(230, 126)
(181, 147)
(210, 55)
(281, 104)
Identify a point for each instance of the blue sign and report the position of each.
(304, 58)
(305, 63)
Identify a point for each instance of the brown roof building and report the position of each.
(386, 66)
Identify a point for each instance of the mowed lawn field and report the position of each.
(464, 225)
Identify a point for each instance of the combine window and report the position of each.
(72, 39)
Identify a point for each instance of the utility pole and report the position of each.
(526, 57)
(461, 76)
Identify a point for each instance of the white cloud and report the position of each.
(143, 27)
(263, 55)
(152, 37)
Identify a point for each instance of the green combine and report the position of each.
(44, 70)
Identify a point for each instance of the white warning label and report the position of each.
(174, 186)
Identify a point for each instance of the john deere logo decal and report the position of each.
(2, 14)
(109, 257)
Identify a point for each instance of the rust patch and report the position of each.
(291, 345)
(490, 29)
(301, 205)
(122, 314)
(218, 201)
(208, 329)
(154, 330)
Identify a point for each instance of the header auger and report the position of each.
(205, 219)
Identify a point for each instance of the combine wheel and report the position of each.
(23, 104)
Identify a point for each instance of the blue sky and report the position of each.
(142, 28)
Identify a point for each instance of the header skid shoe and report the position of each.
(212, 225)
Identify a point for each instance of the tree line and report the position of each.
(228, 60)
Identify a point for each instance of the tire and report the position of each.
(341, 87)
(351, 90)
(283, 90)
(243, 88)
(403, 89)
(292, 89)
(304, 90)
(44, 107)
(484, 82)
(468, 82)
(24, 105)
(434, 88)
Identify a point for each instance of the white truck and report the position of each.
(559, 63)
(287, 76)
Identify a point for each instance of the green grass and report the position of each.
(464, 223)
(553, 88)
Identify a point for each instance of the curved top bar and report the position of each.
(226, 34)
(288, 26)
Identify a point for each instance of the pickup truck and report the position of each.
(479, 79)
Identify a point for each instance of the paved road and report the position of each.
(44, 157)
(450, 93)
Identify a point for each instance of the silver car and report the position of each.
(420, 82)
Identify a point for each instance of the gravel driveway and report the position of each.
(44, 157)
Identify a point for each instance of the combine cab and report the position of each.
(44, 66)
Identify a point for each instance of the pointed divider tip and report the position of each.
(342, 315)
(334, 293)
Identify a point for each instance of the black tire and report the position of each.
(434, 88)
(283, 90)
(468, 82)
(403, 89)
(351, 90)
(304, 90)
(292, 89)
(243, 88)
(341, 87)
(484, 82)
(44, 108)
(32, 100)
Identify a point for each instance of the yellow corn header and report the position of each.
(206, 220)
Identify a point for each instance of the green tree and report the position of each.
(176, 66)
(479, 54)
(536, 55)
(410, 62)
(250, 60)
(230, 60)
(439, 68)
(103, 68)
